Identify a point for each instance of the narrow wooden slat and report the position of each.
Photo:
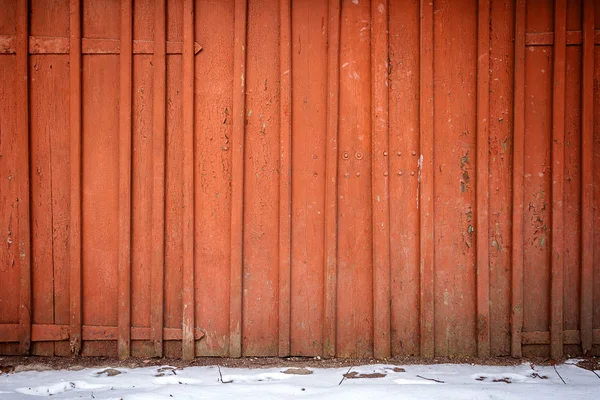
(49, 333)
(237, 178)
(158, 180)
(380, 181)
(22, 102)
(125, 102)
(558, 158)
(426, 176)
(285, 177)
(331, 166)
(75, 160)
(587, 177)
(61, 45)
(518, 170)
(483, 201)
(188, 181)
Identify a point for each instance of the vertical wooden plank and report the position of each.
(285, 176)
(380, 180)
(309, 144)
(261, 182)
(518, 169)
(558, 158)
(454, 191)
(212, 196)
(587, 178)
(173, 306)
(188, 180)
(331, 167)
(502, 35)
(426, 195)
(237, 177)
(355, 213)
(403, 187)
(483, 111)
(75, 158)
(22, 68)
(126, 59)
(158, 181)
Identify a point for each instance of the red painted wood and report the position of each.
(9, 284)
(173, 306)
(518, 168)
(308, 162)
(587, 177)
(125, 110)
(537, 178)
(404, 134)
(355, 227)
(455, 169)
(188, 286)
(426, 182)
(214, 94)
(374, 179)
(75, 242)
(261, 183)
(50, 86)
(501, 142)
(158, 177)
(482, 184)
(285, 176)
(380, 179)
(237, 177)
(558, 170)
(572, 177)
(22, 176)
(330, 286)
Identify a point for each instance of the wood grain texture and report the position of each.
(331, 174)
(380, 180)
(188, 352)
(125, 101)
(426, 173)
(24, 228)
(285, 176)
(587, 177)
(558, 165)
(518, 171)
(159, 177)
(237, 178)
(483, 201)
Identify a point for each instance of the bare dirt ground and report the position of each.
(10, 364)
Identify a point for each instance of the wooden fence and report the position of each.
(270, 178)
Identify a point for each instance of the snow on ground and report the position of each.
(444, 381)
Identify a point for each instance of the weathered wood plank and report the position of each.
(587, 177)
(380, 181)
(518, 171)
(188, 182)
(237, 177)
(285, 176)
(331, 165)
(558, 166)
(158, 180)
(483, 200)
(426, 173)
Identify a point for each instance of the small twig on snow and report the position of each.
(430, 379)
(344, 376)
(221, 375)
(561, 378)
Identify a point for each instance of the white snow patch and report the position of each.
(381, 381)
